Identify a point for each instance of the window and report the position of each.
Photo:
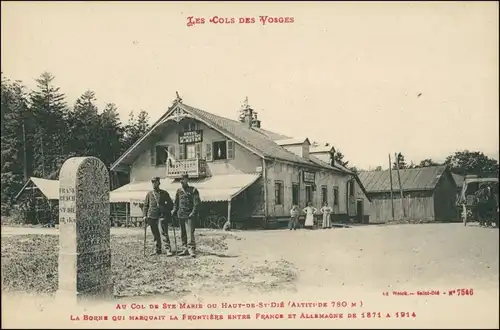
(335, 196)
(190, 126)
(220, 150)
(351, 188)
(159, 155)
(190, 151)
(308, 193)
(295, 193)
(324, 195)
(278, 192)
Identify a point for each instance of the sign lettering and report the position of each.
(309, 176)
(191, 137)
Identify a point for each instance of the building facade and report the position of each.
(237, 163)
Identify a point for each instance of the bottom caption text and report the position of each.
(336, 310)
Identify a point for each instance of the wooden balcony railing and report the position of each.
(195, 168)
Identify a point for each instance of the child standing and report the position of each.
(294, 218)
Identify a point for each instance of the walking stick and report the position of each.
(175, 238)
(145, 227)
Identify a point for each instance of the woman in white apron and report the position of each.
(326, 210)
(309, 211)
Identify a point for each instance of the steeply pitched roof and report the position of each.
(258, 140)
(415, 179)
(49, 188)
(250, 137)
(271, 135)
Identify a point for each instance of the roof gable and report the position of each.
(248, 136)
(49, 188)
(414, 179)
(257, 141)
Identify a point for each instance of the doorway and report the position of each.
(359, 211)
(308, 194)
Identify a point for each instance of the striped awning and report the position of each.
(212, 189)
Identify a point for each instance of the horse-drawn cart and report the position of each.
(467, 201)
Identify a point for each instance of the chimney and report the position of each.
(246, 114)
(332, 157)
(255, 120)
(249, 117)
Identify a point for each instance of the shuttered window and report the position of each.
(198, 150)
(230, 149)
(182, 152)
(152, 153)
(208, 152)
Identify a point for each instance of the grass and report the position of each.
(29, 264)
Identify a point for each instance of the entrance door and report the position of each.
(359, 211)
(308, 193)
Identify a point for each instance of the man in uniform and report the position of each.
(187, 200)
(156, 211)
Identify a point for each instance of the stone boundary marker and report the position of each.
(84, 230)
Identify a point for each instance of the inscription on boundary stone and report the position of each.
(84, 230)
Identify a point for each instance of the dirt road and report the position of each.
(359, 264)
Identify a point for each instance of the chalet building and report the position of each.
(241, 170)
(429, 194)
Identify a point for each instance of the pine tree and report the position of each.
(14, 163)
(84, 126)
(111, 134)
(47, 130)
(135, 129)
(402, 162)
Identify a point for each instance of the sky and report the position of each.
(369, 78)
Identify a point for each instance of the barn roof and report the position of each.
(414, 179)
(49, 188)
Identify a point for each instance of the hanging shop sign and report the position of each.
(309, 177)
(191, 137)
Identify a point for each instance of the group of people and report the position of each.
(159, 210)
(486, 205)
(310, 211)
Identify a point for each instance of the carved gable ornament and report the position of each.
(178, 114)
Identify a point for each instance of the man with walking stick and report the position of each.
(187, 200)
(157, 212)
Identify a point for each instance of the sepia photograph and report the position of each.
(250, 165)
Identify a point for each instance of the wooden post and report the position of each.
(264, 176)
(229, 211)
(25, 154)
(400, 187)
(392, 193)
(126, 215)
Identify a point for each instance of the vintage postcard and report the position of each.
(250, 164)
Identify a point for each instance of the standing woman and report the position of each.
(326, 210)
(309, 211)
